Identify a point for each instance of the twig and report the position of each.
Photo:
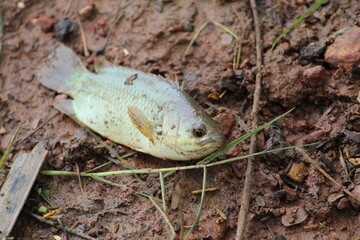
(118, 15)
(38, 128)
(83, 36)
(339, 185)
(245, 201)
(43, 220)
(5, 90)
(1, 27)
(343, 164)
(241, 123)
(79, 177)
(68, 7)
(7, 151)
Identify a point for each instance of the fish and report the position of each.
(146, 112)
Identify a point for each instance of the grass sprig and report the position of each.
(311, 9)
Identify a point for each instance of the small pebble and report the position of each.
(90, 60)
(314, 75)
(143, 176)
(102, 32)
(281, 195)
(46, 23)
(298, 172)
(354, 202)
(226, 39)
(311, 53)
(63, 29)
(314, 136)
(101, 22)
(345, 51)
(21, 5)
(343, 204)
(302, 124)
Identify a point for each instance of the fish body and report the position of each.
(142, 111)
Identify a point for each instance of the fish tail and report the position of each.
(61, 70)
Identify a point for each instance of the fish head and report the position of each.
(192, 135)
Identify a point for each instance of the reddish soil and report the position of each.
(313, 69)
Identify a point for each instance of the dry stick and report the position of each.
(245, 201)
(38, 128)
(43, 220)
(309, 159)
(8, 149)
(83, 36)
(79, 178)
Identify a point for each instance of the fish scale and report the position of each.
(143, 111)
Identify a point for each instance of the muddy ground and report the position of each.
(315, 69)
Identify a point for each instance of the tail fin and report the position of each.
(60, 69)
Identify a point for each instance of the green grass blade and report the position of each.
(201, 205)
(239, 140)
(196, 35)
(311, 9)
(257, 154)
(106, 181)
(225, 29)
(150, 171)
(194, 38)
(167, 221)
(162, 186)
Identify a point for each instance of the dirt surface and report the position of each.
(314, 69)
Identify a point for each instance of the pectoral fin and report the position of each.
(141, 122)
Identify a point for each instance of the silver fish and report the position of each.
(142, 111)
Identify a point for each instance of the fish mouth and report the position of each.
(212, 141)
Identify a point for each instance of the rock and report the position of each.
(226, 39)
(281, 195)
(63, 29)
(323, 213)
(226, 121)
(311, 53)
(21, 5)
(294, 216)
(314, 75)
(353, 136)
(345, 51)
(46, 23)
(297, 172)
(283, 84)
(354, 202)
(2, 130)
(343, 204)
(334, 196)
(102, 32)
(314, 136)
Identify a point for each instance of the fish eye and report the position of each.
(200, 131)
